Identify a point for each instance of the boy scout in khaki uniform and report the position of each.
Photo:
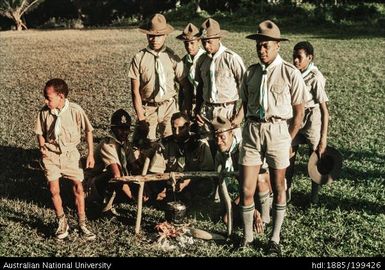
(114, 157)
(191, 39)
(185, 151)
(219, 73)
(58, 129)
(315, 125)
(226, 160)
(272, 93)
(153, 72)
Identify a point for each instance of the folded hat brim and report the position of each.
(164, 31)
(265, 38)
(187, 38)
(327, 169)
(221, 34)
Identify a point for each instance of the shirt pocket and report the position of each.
(281, 94)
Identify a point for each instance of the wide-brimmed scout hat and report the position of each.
(210, 28)
(221, 124)
(267, 30)
(327, 168)
(121, 118)
(191, 32)
(157, 25)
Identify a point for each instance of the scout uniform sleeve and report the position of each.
(133, 71)
(85, 123)
(298, 88)
(244, 92)
(318, 88)
(39, 124)
(238, 69)
(109, 155)
(178, 66)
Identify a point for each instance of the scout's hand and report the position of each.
(90, 163)
(43, 151)
(199, 120)
(321, 148)
(142, 128)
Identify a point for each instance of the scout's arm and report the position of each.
(90, 146)
(298, 113)
(324, 128)
(137, 100)
(41, 142)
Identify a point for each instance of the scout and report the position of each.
(272, 93)
(58, 129)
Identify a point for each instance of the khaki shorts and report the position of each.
(66, 164)
(159, 118)
(310, 131)
(265, 140)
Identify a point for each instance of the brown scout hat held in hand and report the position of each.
(325, 169)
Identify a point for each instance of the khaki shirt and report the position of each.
(190, 156)
(142, 68)
(190, 67)
(73, 121)
(285, 88)
(315, 85)
(229, 70)
(107, 153)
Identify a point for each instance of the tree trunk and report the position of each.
(18, 21)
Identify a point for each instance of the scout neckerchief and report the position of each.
(121, 154)
(308, 70)
(263, 90)
(192, 61)
(229, 161)
(213, 88)
(58, 113)
(160, 73)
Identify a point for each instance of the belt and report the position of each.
(155, 104)
(221, 104)
(270, 120)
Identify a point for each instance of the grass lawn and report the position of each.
(350, 221)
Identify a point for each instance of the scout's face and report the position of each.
(121, 133)
(156, 42)
(53, 99)
(224, 140)
(211, 45)
(180, 129)
(192, 46)
(267, 51)
(301, 60)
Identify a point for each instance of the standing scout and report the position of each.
(191, 39)
(58, 129)
(153, 72)
(219, 73)
(315, 125)
(272, 93)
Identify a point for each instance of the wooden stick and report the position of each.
(140, 197)
(167, 176)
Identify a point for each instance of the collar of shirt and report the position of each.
(155, 53)
(277, 61)
(221, 50)
(309, 68)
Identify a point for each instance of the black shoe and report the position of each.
(245, 244)
(273, 249)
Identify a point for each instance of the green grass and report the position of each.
(349, 222)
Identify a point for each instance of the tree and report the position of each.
(15, 9)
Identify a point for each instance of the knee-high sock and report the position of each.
(279, 211)
(247, 213)
(265, 206)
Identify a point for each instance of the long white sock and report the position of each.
(247, 213)
(279, 211)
